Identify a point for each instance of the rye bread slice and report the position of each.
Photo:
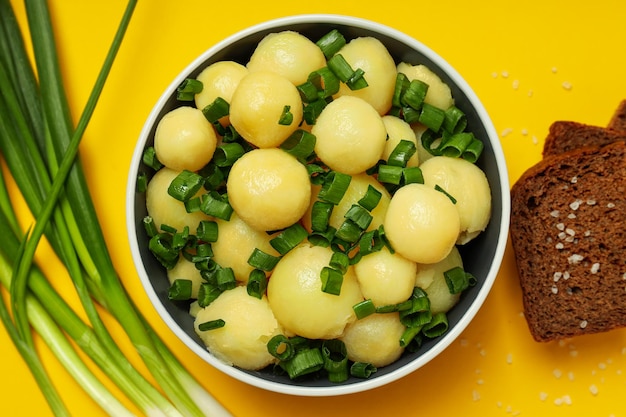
(618, 120)
(565, 136)
(568, 232)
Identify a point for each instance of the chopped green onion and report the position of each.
(311, 111)
(207, 293)
(364, 308)
(261, 260)
(410, 115)
(458, 280)
(335, 357)
(281, 348)
(308, 92)
(432, 117)
(207, 231)
(401, 153)
(203, 251)
(215, 110)
(148, 223)
(185, 185)
(437, 326)
(348, 231)
(188, 89)
(340, 67)
(440, 189)
(226, 154)
(392, 308)
(322, 238)
(428, 138)
(402, 83)
(304, 362)
(357, 80)
(360, 216)
(214, 177)
(339, 261)
(331, 43)
(419, 314)
(161, 247)
(316, 173)
(415, 94)
(149, 158)
(168, 229)
(320, 215)
(289, 238)
(180, 290)
(362, 370)
(257, 283)
(370, 242)
(332, 280)
(371, 198)
(225, 278)
(389, 174)
(473, 151)
(286, 117)
(335, 186)
(142, 182)
(413, 175)
(409, 335)
(326, 82)
(213, 204)
(455, 120)
(299, 144)
(455, 145)
(211, 325)
(179, 239)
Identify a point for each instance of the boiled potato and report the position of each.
(219, 79)
(370, 55)
(269, 189)
(356, 190)
(165, 209)
(289, 54)
(422, 154)
(184, 139)
(350, 134)
(397, 130)
(249, 325)
(258, 104)
(439, 94)
(386, 278)
(430, 278)
(374, 339)
(237, 240)
(468, 184)
(421, 223)
(295, 294)
(186, 270)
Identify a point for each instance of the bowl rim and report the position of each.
(445, 340)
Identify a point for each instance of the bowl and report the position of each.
(482, 257)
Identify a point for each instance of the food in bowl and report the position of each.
(308, 184)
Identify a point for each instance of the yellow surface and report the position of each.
(516, 55)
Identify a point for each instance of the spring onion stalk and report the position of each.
(77, 209)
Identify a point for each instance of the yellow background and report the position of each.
(516, 55)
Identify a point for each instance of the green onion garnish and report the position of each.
(432, 117)
(207, 231)
(226, 154)
(332, 280)
(311, 111)
(473, 151)
(440, 189)
(211, 325)
(326, 82)
(437, 326)
(299, 144)
(357, 80)
(335, 186)
(322, 238)
(281, 348)
(286, 117)
(340, 67)
(458, 280)
(339, 261)
(335, 357)
(207, 293)
(261, 260)
(371, 198)
(401, 153)
(389, 174)
(214, 177)
(331, 43)
(305, 361)
(360, 216)
(348, 231)
(188, 89)
(409, 335)
(402, 83)
(455, 145)
(142, 182)
(150, 159)
(362, 370)
(370, 242)
(455, 120)
(320, 215)
(364, 308)
(185, 185)
(215, 110)
(180, 290)
(415, 94)
(289, 238)
(225, 278)
(257, 283)
(148, 224)
(161, 247)
(413, 175)
(308, 92)
(213, 204)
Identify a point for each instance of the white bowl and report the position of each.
(482, 257)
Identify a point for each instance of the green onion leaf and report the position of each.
(207, 231)
(331, 43)
(332, 280)
(339, 261)
(185, 185)
(151, 229)
(261, 260)
(335, 357)
(458, 280)
(340, 67)
(299, 144)
(207, 293)
(305, 361)
(473, 151)
(257, 283)
(414, 95)
(211, 325)
(215, 110)
(413, 175)
(225, 278)
(389, 174)
(281, 348)
(432, 117)
(149, 158)
(286, 117)
(454, 121)
(409, 335)
(348, 231)
(335, 186)
(226, 154)
(401, 153)
(289, 238)
(371, 198)
(188, 89)
(161, 247)
(454, 145)
(213, 204)
(308, 92)
(311, 111)
(326, 82)
(362, 370)
(364, 308)
(440, 189)
(180, 290)
(142, 182)
(437, 326)
(357, 80)
(320, 215)
(402, 84)
(360, 216)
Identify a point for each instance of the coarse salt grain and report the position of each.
(554, 70)
(560, 226)
(611, 205)
(555, 289)
(566, 275)
(570, 375)
(475, 395)
(559, 246)
(583, 324)
(509, 358)
(515, 84)
(574, 259)
(574, 180)
(524, 132)
(505, 74)
(575, 205)
(535, 140)
(555, 213)
(543, 396)
(567, 85)
(557, 373)
(507, 131)
(593, 389)
(570, 232)
(494, 74)
(595, 268)
(571, 216)
(591, 202)
(557, 276)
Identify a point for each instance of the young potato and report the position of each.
(430, 278)
(397, 130)
(185, 269)
(370, 55)
(269, 189)
(374, 339)
(219, 79)
(165, 209)
(289, 54)
(295, 294)
(258, 104)
(184, 139)
(439, 94)
(421, 223)
(386, 278)
(422, 154)
(468, 184)
(249, 325)
(237, 240)
(356, 190)
(350, 134)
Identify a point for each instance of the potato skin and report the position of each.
(421, 223)
(184, 139)
(269, 189)
(258, 104)
(297, 300)
(374, 339)
(350, 135)
(249, 325)
(165, 209)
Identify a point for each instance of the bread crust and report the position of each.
(565, 136)
(618, 120)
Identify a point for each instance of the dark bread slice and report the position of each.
(565, 136)
(618, 120)
(568, 219)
